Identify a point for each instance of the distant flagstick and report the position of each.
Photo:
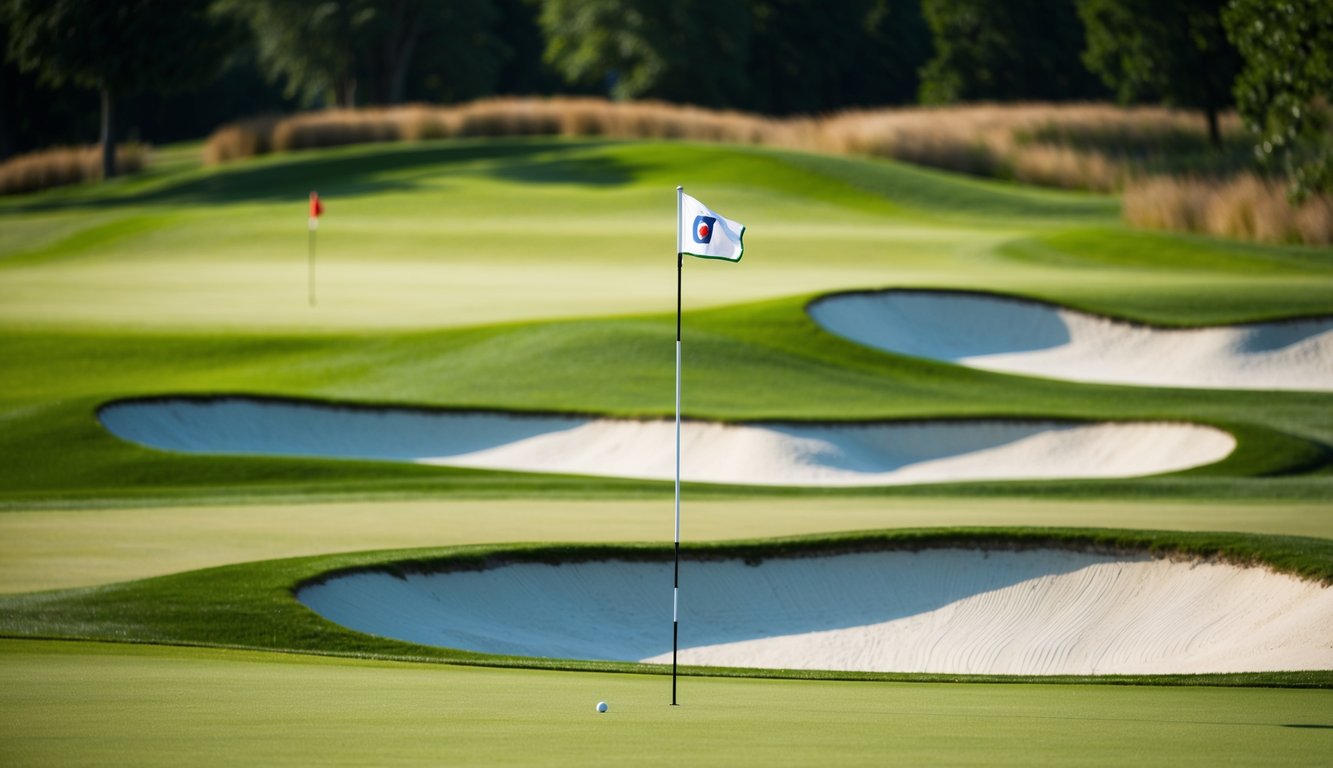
(316, 208)
(712, 237)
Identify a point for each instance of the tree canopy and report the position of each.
(1002, 51)
(116, 48)
(1175, 51)
(1285, 85)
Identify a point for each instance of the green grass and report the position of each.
(539, 275)
(58, 548)
(79, 704)
(192, 280)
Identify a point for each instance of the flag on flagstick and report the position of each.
(316, 208)
(708, 235)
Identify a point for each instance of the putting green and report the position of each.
(83, 703)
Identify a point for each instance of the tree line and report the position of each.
(172, 69)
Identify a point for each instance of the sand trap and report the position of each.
(1033, 612)
(1026, 337)
(748, 454)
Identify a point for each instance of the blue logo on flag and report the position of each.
(703, 228)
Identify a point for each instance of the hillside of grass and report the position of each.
(451, 273)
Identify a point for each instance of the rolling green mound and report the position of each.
(538, 276)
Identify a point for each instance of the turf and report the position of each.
(539, 275)
(81, 704)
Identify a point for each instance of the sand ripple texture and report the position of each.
(1024, 337)
(1036, 612)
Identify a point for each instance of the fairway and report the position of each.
(531, 282)
(79, 704)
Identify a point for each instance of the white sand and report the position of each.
(1016, 336)
(949, 611)
(753, 454)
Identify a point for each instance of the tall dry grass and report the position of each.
(65, 165)
(1099, 147)
(1244, 207)
(1087, 146)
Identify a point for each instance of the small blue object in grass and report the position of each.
(601, 706)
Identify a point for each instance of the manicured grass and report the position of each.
(538, 275)
(61, 548)
(83, 703)
(192, 281)
(618, 366)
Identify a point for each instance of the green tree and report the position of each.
(690, 51)
(1175, 51)
(813, 56)
(347, 51)
(116, 48)
(1004, 50)
(1285, 85)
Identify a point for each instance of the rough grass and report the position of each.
(66, 165)
(1244, 208)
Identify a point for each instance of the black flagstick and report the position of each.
(675, 589)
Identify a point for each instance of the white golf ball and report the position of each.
(601, 706)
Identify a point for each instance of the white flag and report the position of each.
(708, 235)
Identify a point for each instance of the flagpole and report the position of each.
(310, 263)
(675, 589)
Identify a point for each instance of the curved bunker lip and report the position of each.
(1014, 335)
(770, 453)
(954, 611)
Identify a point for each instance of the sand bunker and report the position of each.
(948, 611)
(1025, 337)
(754, 454)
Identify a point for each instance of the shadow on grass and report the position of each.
(367, 172)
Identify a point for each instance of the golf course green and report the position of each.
(148, 609)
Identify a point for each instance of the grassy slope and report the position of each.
(90, 704)
(193, 280)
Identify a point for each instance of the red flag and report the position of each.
(316, 207)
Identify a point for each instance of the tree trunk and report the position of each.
(108, 135)
(1214, 131)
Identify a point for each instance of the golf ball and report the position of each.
(601, 706)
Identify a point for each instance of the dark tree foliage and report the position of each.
(373, 51)
(1285, 88)
(808, 56)
(1174, 51)
(1005, 50)
(116, 48)
(689, 51)
(522, 70)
